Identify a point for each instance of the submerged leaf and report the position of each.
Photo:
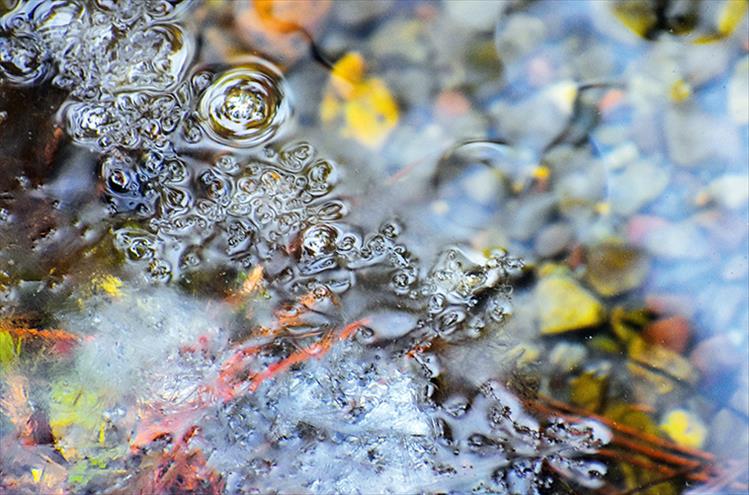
(362, 107)
(75, 417)
(9, 349)
(684, 428)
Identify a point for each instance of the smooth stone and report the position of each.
(537, 120)
(694, 137)
(567, 356)
(518, 36)
(401, 37)
(553, 239)
(527, 215)
(729, 435)
(563, 305)
(738, 92)
(358, 13)
(614, 269)
(718, 355)
(730, 191)
(735, 268)
(673, 333)
(637, 185)
(476, 15)
(681, 240)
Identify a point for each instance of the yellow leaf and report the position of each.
(75, 418)
(9, 349)
(362, 107)
(684, 428)
(347, 72)
(564, 305)
(731, 15)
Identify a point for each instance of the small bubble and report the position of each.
(319, 240)
(296, 156)
(321, 178)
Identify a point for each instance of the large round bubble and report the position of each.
(245, 106)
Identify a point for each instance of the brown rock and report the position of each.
(672, 333)
(615, 268)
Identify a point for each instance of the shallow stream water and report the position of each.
(297, 246)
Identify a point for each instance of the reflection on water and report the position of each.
(301, 246)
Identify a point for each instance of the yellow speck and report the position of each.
(517, 186)
(541, 172)
(702, 198)
(36, 474)
(563, 95)
(109, 284)
(680, 91)
(684, 428)
(603, 208)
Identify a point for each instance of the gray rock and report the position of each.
(358, 13)
(476, 15)
(639, 183)
(516, 38)
(401, 37)
(693, 137)
(538, 120)
(553, 239)
(738, 92)
(730, 191)
(527, 215)
(682, 240)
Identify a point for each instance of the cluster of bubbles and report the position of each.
(278, 210)
(97, 50)
(125, 66)
(249, 210)
(126, 69)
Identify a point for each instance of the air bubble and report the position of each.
(319, 240)
(321, 178)
(22, 60)
(297, 156)
(245, 106)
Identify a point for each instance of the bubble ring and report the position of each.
(245, 106)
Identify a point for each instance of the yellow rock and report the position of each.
(564, 305)
(588, 390)
(615, 268)
(636, 15)
(647, 359)
(684, 428)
